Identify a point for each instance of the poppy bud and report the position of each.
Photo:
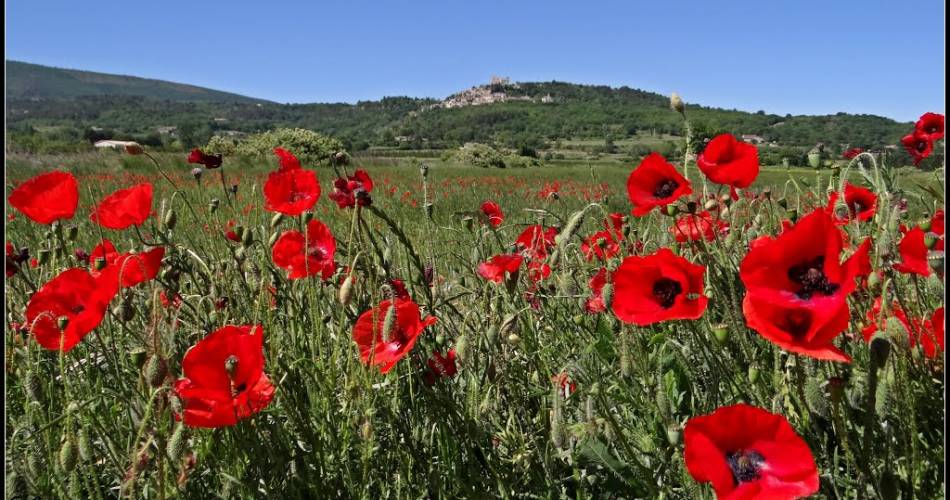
(676, 104)
(213, 206)
(234, 188)
(389, 322)
(32, 387)
(341, 158)
(461, 347)
(42, 256)
(176, 444)
(674, 435)
(607, 295)
(307, 216)
(72, 232)
(272, 239)
(155, 371)
(930, 240)
(62, 322)
(134, 148)
(366, 430)
(672, 210)
(424, 170)
(276, 220)
(793, 215)
(171, 218)
(721, 333)
(925, 224)
(835, 389)
(880, 349)
(197, 172)
(85, 444)
(514, 339)
(936, 263)
(68, 454)
(469, 222)
(124, 311)
(578, 319)
(346, 290)
(753, 374)
(815, 397)
(492, 333)
(710, 205)
(248, 237)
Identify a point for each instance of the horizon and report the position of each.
(798, 74)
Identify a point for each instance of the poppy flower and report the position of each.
(128, 269)
(68, 307)
(918, 145)
(695, 227)
(290, 190)
(306, 255)
(728, 161)
(352, 191)
(655, 183)
(602, 244)
(852, 153)
(170, 299)
(496, 268)
(124, 208)
(658, 287)
(913, 252)
(209, 161)
(382, 348)
(47, 197)
(931, 126)
(749, 453)
(535, 241)
(928, 332)
(595, 304)
(538, 271)
(936, 227)
(223, 378)
(931, 335)
(440, 367)
(399, 289)
(229, 232)
(493, 212)
(565, 386)
(550, 189)
(797, 288)
(859, 203)
(13, 260)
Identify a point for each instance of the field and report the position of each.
(521, 388)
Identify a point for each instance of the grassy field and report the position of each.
(549, 400)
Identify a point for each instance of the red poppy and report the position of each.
(859, 203)
(852, 153)
(440, 367)
(209, 161)
(595, 304)
(128, 269)
(796, 287)
(728, 161)
(290, 190)
(224, 380)
(931, 336)
(918, 145)
(352, 191)
(936, 227)
(496, 268)
(602, 244)
(658, 287)
(385, 348)
(538, 271)
(535, 241)
(655, 183)
(13, 259)
(493, 212)
(913, 251)
(47, 197)
(929, 332)
(399, 289)
(695, 227)
(565, 386)
(931, 126)
(229, 232)
(67, 308)
(125, 207)
(749, 453)
(174, 300)
(550, 189)
(306, 255)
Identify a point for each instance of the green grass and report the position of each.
(499, 428)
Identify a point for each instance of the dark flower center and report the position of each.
(744, 465)
(316, 253)
(796, 322)
(665, 189)
(666, 291)
(921, 146)
(811, 276)
(296, 196)
(78, 308)
(857, 207)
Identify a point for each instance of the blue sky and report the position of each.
(799, 57)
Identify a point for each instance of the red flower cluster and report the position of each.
(749, 453)
(920, 143)
(929, 332)
(696, 227)
(797, 289)
(655, 183)
(224, 380)
(352, 191)
(290, 190)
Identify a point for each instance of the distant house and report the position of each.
(166, 130)
(754, 139)
(112, 144)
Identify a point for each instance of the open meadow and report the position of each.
(372, 327)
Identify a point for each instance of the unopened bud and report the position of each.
(72, 232)
(171, 218)
(389, 322)
(672, 210)
(710, 205)
(213, 206)
(276, 220)
(42, 256)
(676, 103)
(753, 374)
(880, 350)
(721, 333)
(346, 290)
(424, 170)
(155, 371)
(197, 173)
(62, 322)
(68, 454)
(607, 295)
(134, 148)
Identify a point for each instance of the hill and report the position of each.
(520, 115)
(33, 81)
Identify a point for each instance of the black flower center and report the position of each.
(666, 188)
(78, 308)
(921, 146)
(744, 465)
(857, 207)
(811, 276)
(666, 291)
(796, 323)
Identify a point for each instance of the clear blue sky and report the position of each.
(799, 57)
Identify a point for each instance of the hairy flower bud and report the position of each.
(346, 290)
(134, 148)
(676, 103)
